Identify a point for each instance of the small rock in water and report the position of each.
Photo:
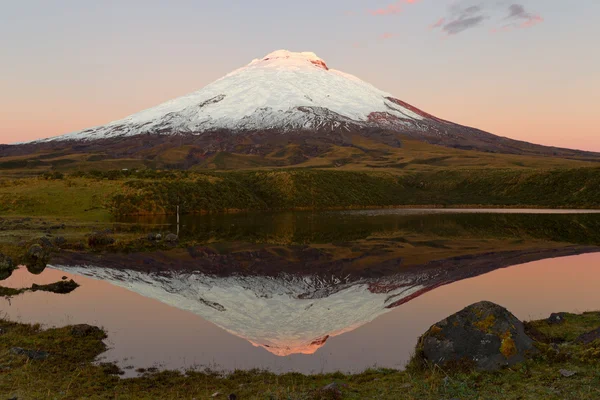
(566, 373)
(64, 278)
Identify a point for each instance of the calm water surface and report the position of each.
(394, 273)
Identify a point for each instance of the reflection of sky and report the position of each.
(147, 331)
(68, 65)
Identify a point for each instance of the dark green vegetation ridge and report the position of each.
(37, 363)
(100, 195)
(359, 174)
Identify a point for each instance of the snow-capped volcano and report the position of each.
(283, 98)
(283, 91)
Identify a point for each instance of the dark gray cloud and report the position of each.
(459, 25)
(463, 16)
(516, 11)
(466, 14)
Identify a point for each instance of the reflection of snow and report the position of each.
(285, 315)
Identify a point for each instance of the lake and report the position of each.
(317, 292)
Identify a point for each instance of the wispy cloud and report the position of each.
(387, 35)
(466, 14)
(521, 18)
(393, 8)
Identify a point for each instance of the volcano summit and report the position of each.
(282, 99)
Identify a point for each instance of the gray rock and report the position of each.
(484, 336)
(171, 238)
(334, 388)
(589, 337)
(154, 237)
(566, 373)
(556, 318)
(31, 354)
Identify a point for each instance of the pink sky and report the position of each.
(72, 66)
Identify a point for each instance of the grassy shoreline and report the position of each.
(103, 196)
(69, 372)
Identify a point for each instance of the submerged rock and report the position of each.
(484, 336)
(61, 287)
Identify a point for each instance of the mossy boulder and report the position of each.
(100, 239)
(36, 259)
(6, 267)
(483, 336)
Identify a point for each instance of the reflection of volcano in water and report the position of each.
(285, 315)
(290, 314)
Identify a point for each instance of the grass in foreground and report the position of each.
(68, 373)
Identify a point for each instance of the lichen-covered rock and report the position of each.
(36, 259)
(6, 267)
(36, 252)
(484, 336)
(6, 263)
